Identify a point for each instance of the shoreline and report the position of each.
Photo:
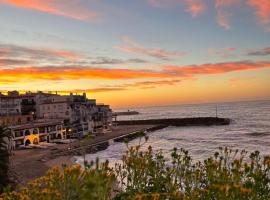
(29, 164)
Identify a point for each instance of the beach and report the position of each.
(29, 164)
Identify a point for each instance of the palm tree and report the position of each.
(5, 138)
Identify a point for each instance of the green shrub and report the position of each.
(227, 175)
(69, 183)
(5, 135)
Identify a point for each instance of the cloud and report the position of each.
(9, 51)
(4, 51)
(217, 68)
(89, 90)
(133, 47)
(156, 53)
(223, 8)
(70, 9)
(161, 3)
(13, 62)
(194, 7)
(224, 53)
(75, 73)
(52, 73)
(120, 87)
(223, 19)
(223, 14)
(259, 52)
(123, 87)
(94, 90)
(262, 11)
(150, 84)
(13, 54)
(114, 61)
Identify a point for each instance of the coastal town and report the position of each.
(50, 129)
(134, 100)
(36, 118)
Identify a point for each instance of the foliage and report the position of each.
(95, 182)
(227, 175)
(5, 136)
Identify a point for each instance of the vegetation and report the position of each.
(5, 136)
(227, 175)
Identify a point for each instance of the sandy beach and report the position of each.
(28, 164)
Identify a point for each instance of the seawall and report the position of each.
(198, 121)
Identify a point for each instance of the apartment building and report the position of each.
(30, 114)
(10, 104)
(37, 132)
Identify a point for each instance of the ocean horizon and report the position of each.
(126, 108)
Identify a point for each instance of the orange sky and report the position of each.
(137, 53)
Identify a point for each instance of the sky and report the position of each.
(135, 53)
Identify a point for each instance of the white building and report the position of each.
(38, 131)
(78, 114)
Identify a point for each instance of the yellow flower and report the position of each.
(245, 190)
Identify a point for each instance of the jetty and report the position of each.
(197, 121)
(129, 112)
(154, 124)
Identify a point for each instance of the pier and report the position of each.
(155, 124)
(198, 121)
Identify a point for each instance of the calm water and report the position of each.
(250, 130)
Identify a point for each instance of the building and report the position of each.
(102, 118)
(11, 120)
(43, 117)
(81, 114)
(38, 131)
(10, 104)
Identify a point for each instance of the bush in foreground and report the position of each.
(5, 136)
(227, 175)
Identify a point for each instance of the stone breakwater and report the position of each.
(156, 124)
(99, 146)
(199, 121)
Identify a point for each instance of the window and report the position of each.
(27, 132)
(35, 131)
(18, 134)
(42, 129)
(52, 128)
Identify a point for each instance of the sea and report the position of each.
(249, 130)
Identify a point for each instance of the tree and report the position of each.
(5, 138)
